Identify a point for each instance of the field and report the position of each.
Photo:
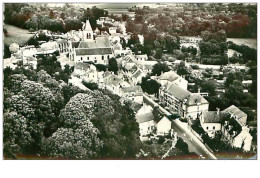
(16, 35)
(251, 42)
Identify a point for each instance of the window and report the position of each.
(88, 58)
(213, 127)
(81, 58)
(102, 57)
(108, 57)
(207, 128)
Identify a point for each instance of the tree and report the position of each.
(78, 142)
(17, 137)
(112, 65)
(160, 68)
(158, 54)
(14, 48)
(150, 86)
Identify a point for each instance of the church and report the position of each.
(91, 48)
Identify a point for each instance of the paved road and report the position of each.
(194, 144)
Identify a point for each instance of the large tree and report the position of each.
(160, 68)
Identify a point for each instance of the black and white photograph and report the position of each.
(129, 81)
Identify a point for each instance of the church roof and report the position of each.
(100, 42)
(87, 26)
(93, 51)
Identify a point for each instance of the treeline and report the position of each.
(236, 19)
(248, 54)
(68, 18)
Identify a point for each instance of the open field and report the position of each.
(16, 35)
(251, 42)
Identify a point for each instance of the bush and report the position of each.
(31, 30)
(91, 86)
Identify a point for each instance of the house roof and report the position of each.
(61, 41)
(129, 65)
(196, 98)
(130, 58)
(178, 92)
(82, 66)
(134, 89)
(137, 73)
(144, 114)
(93, 51)
(237, 112)
(212, 117)
(141, 56)
(171, 76)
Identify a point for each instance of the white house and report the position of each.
(211, 122)
(112, 30)
(164, 126)
(181, 101)
(132, 93)
(141, 57)
(145, 119)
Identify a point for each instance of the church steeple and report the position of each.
(87, 31)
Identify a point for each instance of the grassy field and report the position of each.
(16, 35)
(251, 42)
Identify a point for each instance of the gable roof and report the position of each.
(141, 56)
(100, 42)
(178, 92)
(137, 73)
(237, 112)
(135, 89)
(212, 117)
(196, 98)
(144, 114)
(171, 76)
(82, 66)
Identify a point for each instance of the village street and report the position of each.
(194, 144)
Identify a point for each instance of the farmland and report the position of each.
(16, 35)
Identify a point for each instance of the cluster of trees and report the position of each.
(34, 40)
(49, 118)
(154, 42)
(213, 43)
(248, 54)
(65, 19)
(238, 20)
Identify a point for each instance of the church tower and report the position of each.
(87, 32)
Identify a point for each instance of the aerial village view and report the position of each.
(160, 81)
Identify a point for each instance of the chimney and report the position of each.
(198, 90)
(217, 110)
(229, 127)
